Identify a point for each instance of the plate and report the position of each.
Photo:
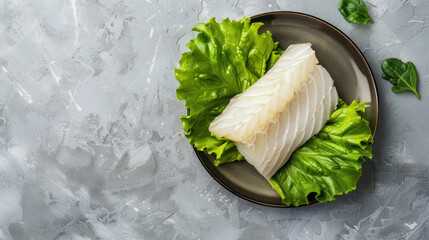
(343, 60)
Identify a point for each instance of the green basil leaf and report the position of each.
(402, 75)
(354, 11)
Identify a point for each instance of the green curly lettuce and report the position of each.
(224, 60)
(329, 163)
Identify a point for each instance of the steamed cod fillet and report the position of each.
(250, 112)
(304, 117)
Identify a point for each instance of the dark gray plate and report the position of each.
(346, 64)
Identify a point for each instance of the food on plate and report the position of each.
(276, 109)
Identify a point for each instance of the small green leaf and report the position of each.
(354, 11)
(402, 75)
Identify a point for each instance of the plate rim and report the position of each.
(371, 80)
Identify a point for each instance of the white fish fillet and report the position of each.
(249, 112)
(304, 117)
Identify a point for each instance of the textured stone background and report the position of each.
(91, 145)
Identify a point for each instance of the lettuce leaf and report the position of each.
(330, 163)
(224, 60)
